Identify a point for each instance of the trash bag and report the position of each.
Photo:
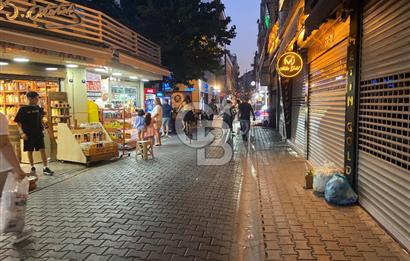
(338, 191)
(13, 204)
(322, 175)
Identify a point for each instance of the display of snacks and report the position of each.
(88, 143)
(13, 94)
(118, 124)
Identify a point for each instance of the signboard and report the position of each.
(289, 64)
(44, 15)
(149, 91)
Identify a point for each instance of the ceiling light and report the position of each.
(51, 69)
(117, 74)
(72, 65)
(101, 70)
(3, 63)
(21, 60)
(145, 80)
(134, 77)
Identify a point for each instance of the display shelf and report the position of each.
(117, 122)
(12, 94)
(87, 144)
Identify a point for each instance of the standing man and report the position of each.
(29, 120)
(102, 101)
(157, 116)
(245, 110)
(166, 118)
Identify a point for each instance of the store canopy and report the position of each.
(318, 13)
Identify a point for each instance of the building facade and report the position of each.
(349, 104)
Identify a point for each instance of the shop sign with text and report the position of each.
(42, 14)
(289, 64)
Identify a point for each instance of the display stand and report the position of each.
(87, 144)
(118, 124)
(59, 109)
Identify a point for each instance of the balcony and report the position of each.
(79, 23)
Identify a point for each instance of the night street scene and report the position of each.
(173, 130)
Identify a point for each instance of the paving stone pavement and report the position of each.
(298, 225)
(162, 209)
(171, 209)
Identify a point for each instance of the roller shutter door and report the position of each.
(384, 116)
(327, 95)
(298, 134)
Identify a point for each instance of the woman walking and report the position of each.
(157, 117)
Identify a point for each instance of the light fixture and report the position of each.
(101, 70)
(70, 65)
(145, 80)
(253, 83)
(51, 69)
(134, 77)
(21, 60)
(117, 74)
(3, 63)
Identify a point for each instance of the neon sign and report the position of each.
(289, 64)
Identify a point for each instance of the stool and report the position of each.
(145, 149)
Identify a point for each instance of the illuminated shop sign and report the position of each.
(45, 15)
(289, 64)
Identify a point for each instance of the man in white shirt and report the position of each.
(103, 101)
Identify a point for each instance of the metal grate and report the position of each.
(384, 119)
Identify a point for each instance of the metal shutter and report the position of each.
(299, 112)
(384, 116)
(327, 95)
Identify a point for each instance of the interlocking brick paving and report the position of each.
(299, 225)
(163, 209)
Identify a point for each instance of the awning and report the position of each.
(318, 14)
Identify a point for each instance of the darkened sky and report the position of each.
(244, 14)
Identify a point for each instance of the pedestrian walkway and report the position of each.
(298, 225)
(253, 208)
(162, 209)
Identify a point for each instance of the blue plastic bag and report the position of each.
(339, 192)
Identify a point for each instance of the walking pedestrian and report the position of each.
(10, 166)
(29, 120)
(157, 117)
(188, 109)
(166, 118)
(227, 116)
(245, 111)
(213, 110)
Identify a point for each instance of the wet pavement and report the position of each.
(169, 208)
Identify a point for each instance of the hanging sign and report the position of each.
(289, 64)
(46, 15)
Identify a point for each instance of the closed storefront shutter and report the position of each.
(298, 133)
(327, 91)
(384, 116)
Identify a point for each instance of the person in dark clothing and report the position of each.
(29, 120)
(166, 118)
(213, 110)
(245, 111)
(227, 114)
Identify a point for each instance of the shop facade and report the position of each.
(349, 105)
(75, 55)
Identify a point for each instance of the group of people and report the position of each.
(241, 111)
(149, 125)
